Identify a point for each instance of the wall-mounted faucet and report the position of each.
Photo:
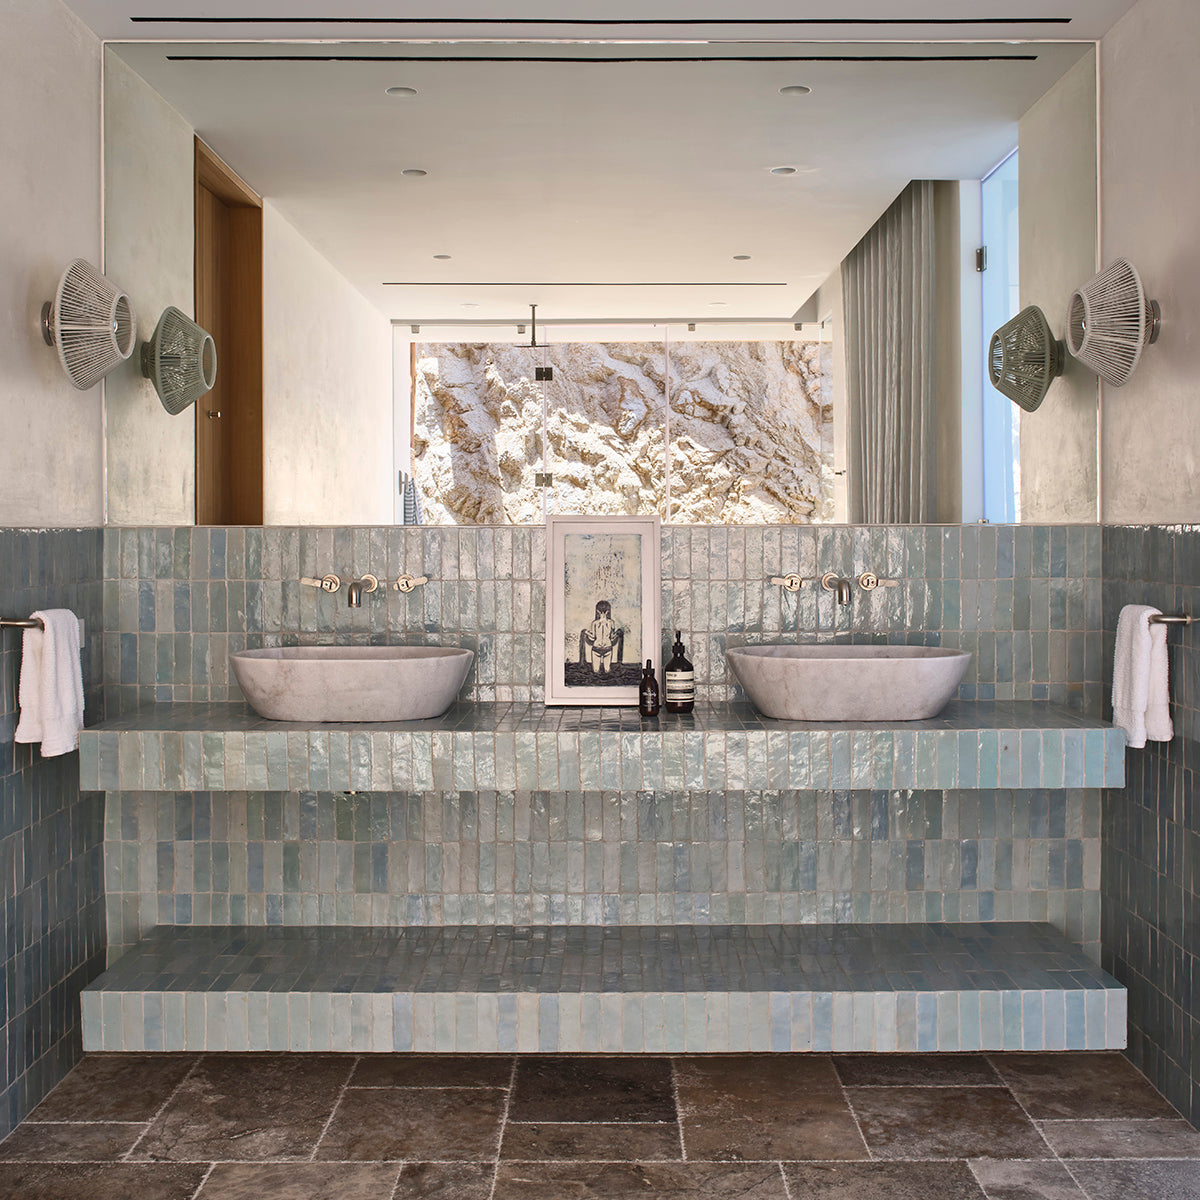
(832, 582)
(354, 592)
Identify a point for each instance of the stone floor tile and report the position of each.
(1044, 1180)
(1080, 1084)
(1155, 1138)
(882, 1181)
(562, 1088)
(115, 1087)
(1146, 1179)
(579, 1142)
(433, 1070)
(759, 1074)
(380, 1124)
(913, 1122)
(247, 1107)
(915, 1070)
(640, 1181)
(735, 1126)
(445, 1181)
(33, 1141)
(73, 1181)
(301, 1181)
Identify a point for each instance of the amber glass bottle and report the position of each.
(680, 678)
(648, 692)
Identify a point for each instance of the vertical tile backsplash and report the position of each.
(50, 835)
(1024, 600)
(1151, 864)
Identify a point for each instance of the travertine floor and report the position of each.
(768, 1127)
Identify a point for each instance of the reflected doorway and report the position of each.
(228, 298)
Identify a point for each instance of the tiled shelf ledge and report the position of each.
(227, 747)
(929, 987)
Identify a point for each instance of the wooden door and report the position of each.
(229, 421)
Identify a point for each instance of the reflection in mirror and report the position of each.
(708, 432)
(649, 189)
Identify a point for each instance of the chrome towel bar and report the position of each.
(21, 623)
(1170, 619)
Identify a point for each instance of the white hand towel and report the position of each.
(1141, 700)
(50, 691)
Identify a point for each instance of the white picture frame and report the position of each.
(603, 607)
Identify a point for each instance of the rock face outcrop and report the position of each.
(750, 432)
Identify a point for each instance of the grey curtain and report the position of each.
(889, 331)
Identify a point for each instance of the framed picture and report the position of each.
(602, 607)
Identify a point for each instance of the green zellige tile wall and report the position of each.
(1024, 600)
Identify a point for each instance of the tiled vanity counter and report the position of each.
(971, 745)
(544, 879)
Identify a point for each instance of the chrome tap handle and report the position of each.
(327, 583)
(869, 581)
(789, 583)
(406, 583)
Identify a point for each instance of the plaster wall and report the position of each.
(148, 241)
(1057, 139)
(50, 451)
(1150, 156)
(327, 395)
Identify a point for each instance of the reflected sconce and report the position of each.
(1110, 322)
(180, 359)
(91, 324)
(1024, 358)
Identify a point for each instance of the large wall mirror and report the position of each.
(659, 227)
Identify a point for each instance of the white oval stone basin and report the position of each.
(848, 683)
(351, 683)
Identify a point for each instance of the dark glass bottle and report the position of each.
(648, 692)
(680, 680)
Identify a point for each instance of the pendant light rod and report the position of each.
(533, 326)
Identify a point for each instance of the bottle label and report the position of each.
(681, 685)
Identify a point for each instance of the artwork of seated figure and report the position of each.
(602, 643)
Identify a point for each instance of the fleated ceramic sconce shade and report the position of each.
(180, 360)
(1110, 322)
(1024, 358)
(91, 324)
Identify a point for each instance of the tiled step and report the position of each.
(941, 987)
(226, 747)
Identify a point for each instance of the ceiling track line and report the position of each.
(691, 22)
(658, 62)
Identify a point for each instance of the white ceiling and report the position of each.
(546, 176)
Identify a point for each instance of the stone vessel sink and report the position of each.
(848, 683)
(351, 683)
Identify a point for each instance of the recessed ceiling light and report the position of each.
(774, 171)
(414, 172)
(441, 257)
(401, 91)
(795, 89)
(741, 258)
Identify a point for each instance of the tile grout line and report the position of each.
(512, 1084)
(850, 1108)
(333, 1111)
(126, 1157)
(787, 1190)
(678, 1111)
(1058, 1158)
(212, 1166)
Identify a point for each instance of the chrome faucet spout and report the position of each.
(843, 591)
